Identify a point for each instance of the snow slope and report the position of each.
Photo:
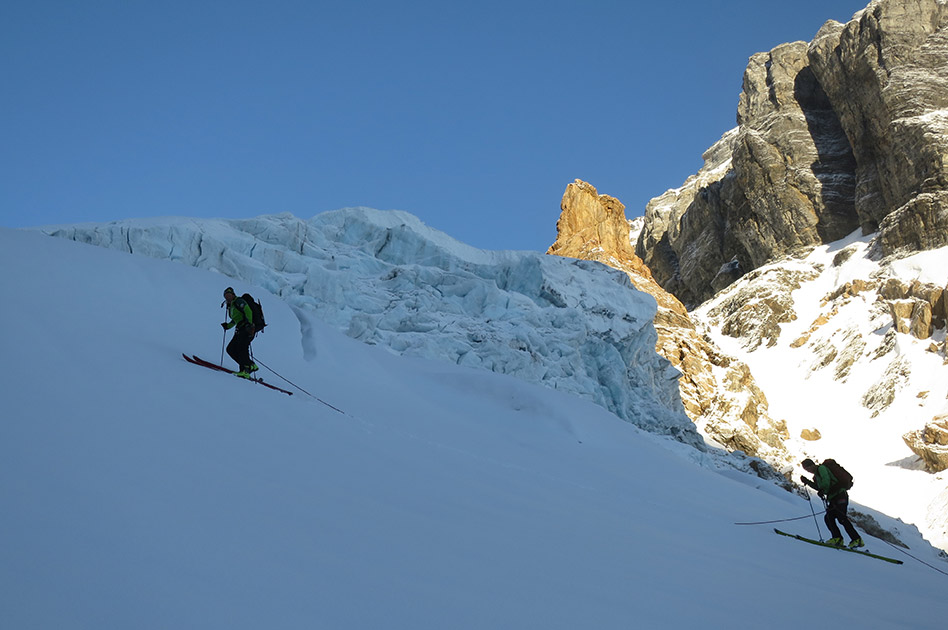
(140, 491)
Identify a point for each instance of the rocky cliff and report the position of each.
(849, 131)
(718, 392)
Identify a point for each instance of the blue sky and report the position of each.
(473, 116)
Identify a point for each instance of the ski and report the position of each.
(198, 361)
(213, 366)
(823, 544)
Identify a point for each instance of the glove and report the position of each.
(805, 481)
(224, 325)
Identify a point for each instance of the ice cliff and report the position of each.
(387, 279)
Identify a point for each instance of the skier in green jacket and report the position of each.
(241, 317)
(837, 503)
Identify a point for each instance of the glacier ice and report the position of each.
(385, 278)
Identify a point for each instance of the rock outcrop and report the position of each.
(718, 392)
(849, 131)
(916, 308)
(931, 444)
(594, 227)
(754, 310)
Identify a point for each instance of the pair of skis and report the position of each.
(862, 552)
(213, 366)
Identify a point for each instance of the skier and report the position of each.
(241, 316)
(837, 503)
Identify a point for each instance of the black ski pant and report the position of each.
(836, 509)
(239, 347)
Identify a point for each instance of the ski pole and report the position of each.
(224, 340)
(812, 511)
(316, 398)
(253, 359)
(779, 520)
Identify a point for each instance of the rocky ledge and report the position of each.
(931, 444)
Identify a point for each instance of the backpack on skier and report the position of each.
(844, 480)
(259, 321)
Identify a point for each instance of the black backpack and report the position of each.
(259, 321)
(844, 480)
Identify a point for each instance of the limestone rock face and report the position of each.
(931, 444)
(849, 131)
(886, 73)
(594, 227)
(917, 308)
(754, 311)
(729, 407)
(791, 161)
(684, 239)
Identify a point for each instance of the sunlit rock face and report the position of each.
(849, 131)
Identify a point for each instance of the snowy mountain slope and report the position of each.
(142, 491)
(385, 278)
(819, 335)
